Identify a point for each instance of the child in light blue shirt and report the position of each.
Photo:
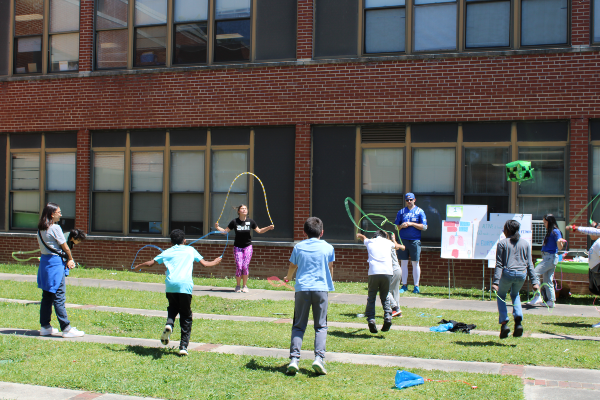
(179, 261)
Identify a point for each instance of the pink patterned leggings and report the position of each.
(242, 259)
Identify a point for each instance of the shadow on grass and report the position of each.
(254, 365)
(155, 353)
(354, 335)
(485, 344)
(350, 315)
(568, 324)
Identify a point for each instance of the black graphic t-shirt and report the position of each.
(242, 231)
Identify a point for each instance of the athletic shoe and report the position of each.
(164, 339)
(518, 328)
(237, 289)
(397, 313)
(416, 290)
(318, 366)
(387, 324)
(536, 301)
(293, 367)
(48, 331)
(550, 304)
(504, 331)
(73, 333)
(372, 326)
(403, 289)
(183, 351)
(596, 325)
(245, 289)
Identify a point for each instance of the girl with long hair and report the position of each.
(55, 262)
(513, 264)
(553, 242)
(242, 245)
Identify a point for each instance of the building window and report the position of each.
(232, 30)
(226, 165)
(191, 29)
(107, 191)
(150, 33)
(487, 23)
(385, 26)
(187, 192)
(595, 182)
(25, 190)
(544, 22)
(60, 185)
(64, 35)
(29, 31)
(111, 33)
(485, 178)
(545, 194)
(433, 175)
(146, 192)
(435, 25)
(596, 21)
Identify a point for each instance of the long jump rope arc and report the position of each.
(365, 215)
(15, 253)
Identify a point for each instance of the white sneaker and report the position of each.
(245, 289)
(596, 325)
(550, 304)
(318, 366)
(48, 331)
(72, 333)
(164, 339)
(293, 367)
(536, 301)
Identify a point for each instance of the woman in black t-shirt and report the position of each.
(242, 245)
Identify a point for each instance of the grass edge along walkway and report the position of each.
(216, 317)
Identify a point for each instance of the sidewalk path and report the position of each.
(351, 325)
(540, 382)
(9, 390)
(562, 310)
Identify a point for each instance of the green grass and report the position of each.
(159, 373)
(126, 274)
(522, 351)
(285, 309)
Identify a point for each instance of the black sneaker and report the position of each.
(518, 328)
(387, 324)
(372, 326)
(504, 331)
(183, 351)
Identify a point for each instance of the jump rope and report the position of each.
(365, 215)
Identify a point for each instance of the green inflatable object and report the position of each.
(519, 171)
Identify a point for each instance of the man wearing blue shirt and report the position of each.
(411, 220)
(312, 260)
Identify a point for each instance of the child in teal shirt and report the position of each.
(179, 261)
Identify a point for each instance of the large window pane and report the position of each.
(111, 14)
(234, 200)
(596, 23)
(435, 27)
(107, 213)
(150, 12)
(232, 40)
(66, 201)
(191, 10)
(544, 22)
(435, 211)
(190, 43)
(29, 17)
(549, 170)
(64, 15)
(109, 171)
(540, 206)
(383, 204)
(25, 210)
(382, 170)
(433, 170)
(187, 171)
(595, 170)
(485, 171)
(495, 204)
(383, 3)
(26, 171)
(29, 55)
(146, 213)
(111, 49)
(385, 30)
(60, 171)
(488, 24)
(64, 52)
(151, 46)
(187, 212)
(147, 171)
(227, 9)
(226, 166)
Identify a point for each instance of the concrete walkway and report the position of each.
(350, 325)
(340, 298)
(9, 390)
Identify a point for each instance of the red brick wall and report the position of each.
(580, 22)
(304, 40)
(302, 180)
(83, 180)
(578, 180)
(86, 35)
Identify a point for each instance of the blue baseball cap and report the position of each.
(409, 196)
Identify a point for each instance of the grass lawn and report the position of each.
(340, 287)
(522, 351)
(285, 309)
(160, 373)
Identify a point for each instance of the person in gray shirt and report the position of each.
(513, 264)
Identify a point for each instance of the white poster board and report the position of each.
(457, 239)
(488, 234)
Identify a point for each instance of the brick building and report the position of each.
(136, 115)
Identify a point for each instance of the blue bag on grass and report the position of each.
(442, 327)
(406, 379)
